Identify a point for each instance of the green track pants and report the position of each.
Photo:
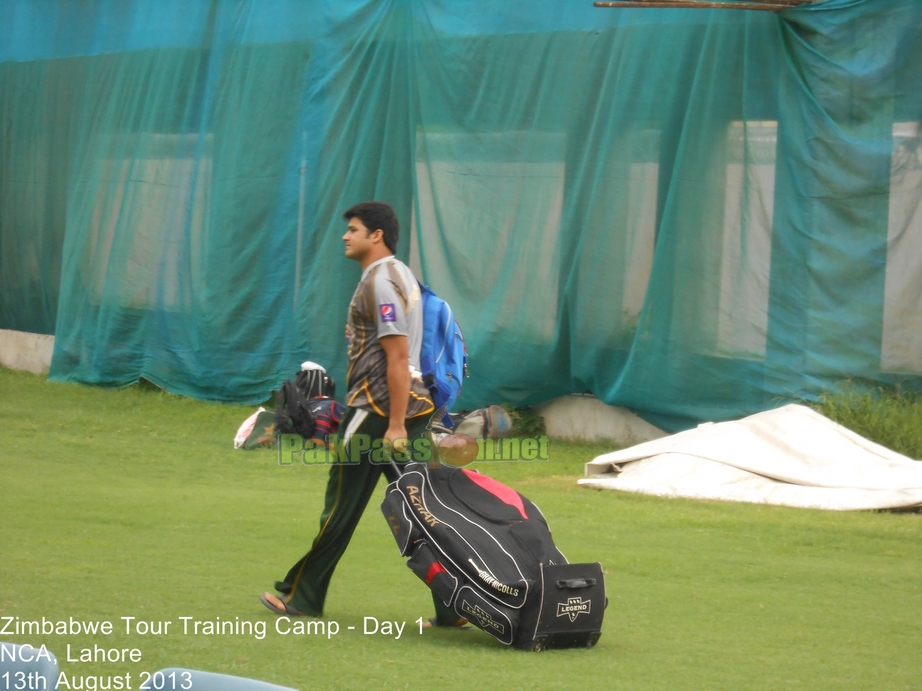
(348, 490)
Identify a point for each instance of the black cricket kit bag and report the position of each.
(486, 551)
(296, 410)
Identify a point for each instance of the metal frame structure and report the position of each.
(758, 5)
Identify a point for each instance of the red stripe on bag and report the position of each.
(498, 490)
(434, 571)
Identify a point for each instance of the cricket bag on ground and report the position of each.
(486, 551)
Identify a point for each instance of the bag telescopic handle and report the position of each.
(574, 583)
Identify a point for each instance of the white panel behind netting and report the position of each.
(901, 348)
(486, 229)
(148, 223)
(640, 236)
(742, 323)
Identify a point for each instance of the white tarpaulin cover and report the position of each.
(792, 456)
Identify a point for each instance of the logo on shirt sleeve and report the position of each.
(388, 313)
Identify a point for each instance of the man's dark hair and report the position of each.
(377, 215)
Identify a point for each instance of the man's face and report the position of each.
(359, 241)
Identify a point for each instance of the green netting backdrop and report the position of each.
(692, 213)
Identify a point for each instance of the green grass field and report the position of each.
(133, 503)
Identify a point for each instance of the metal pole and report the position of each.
(302, 174)
(696, 4)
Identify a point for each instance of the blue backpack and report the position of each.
(443, 355)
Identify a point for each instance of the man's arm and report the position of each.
(397, 350)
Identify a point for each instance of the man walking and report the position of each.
(387, 399)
